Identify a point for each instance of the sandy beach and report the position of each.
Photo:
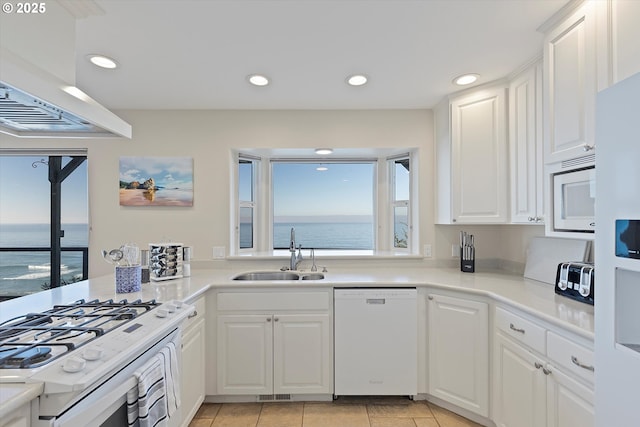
(155, 198)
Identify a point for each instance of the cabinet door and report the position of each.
(479, 158)
(245, 354)
(569, 403)
(192, 371)
(459, 352)
(525, 147)
(570, 86)
(519, 386)
(302, 354)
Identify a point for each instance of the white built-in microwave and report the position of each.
(574, 197)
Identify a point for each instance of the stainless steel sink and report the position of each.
(278, 275)
(312, 276)
(268, 275)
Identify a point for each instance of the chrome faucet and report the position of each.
(313, 260)
(295, 260)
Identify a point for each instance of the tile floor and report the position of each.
(349, 413)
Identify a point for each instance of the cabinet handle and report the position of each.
(531, 219)
(538, 365)
(592, 224)
(192, 315)
(268, 319)
(275, 319)
(546, 371)
(513, 328)
(576, 362)
(587, 147)
(453, 220)
(430, 297)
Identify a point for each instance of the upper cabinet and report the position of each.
(472, 157)
(570, 84)
(618, 35)
(525, 146)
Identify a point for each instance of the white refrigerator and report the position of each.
(617, 255)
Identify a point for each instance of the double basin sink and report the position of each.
(278, 275)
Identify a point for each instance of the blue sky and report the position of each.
(25, 190)
(343, 189)
(169, 172)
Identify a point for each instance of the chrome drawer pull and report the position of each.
(538, 365)
(192, 315)
(513, 328)
(576, 362)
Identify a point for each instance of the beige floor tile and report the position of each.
(201, 422)
(410, 409)
(391, 422)
(238, 415)
(330, 415)
(282, 414)
(208, 410)
(449, 419)
(426, 422)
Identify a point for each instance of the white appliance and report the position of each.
(376, 342)
(617, 310)
(86, 353)
(574, 194)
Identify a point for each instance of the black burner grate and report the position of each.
(35, 339)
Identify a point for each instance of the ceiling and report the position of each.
(197, 54)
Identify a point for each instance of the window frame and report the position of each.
(384, 201)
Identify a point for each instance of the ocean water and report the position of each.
(330, 235)
(22, 273)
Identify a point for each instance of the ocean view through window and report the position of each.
(24, 224)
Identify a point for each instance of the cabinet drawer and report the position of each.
(196, 315)
(274, 301)
(521, 329)
(571, 356)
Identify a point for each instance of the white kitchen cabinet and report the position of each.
(570, 84)
(471, 150)
(274, 343)
(245, 354)
(20, 417)
(536, 384)
(193, 363)
(525, 147)
(458, 350)
(519, 389)
(620, 25)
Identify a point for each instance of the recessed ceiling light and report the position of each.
(357, 80)
(258, 80)
(324, 151)
(466, 79)
(102, 61)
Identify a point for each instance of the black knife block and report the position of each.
(467, 265)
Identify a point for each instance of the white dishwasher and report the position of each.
(376, 350)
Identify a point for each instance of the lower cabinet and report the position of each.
(193, 363)
(274, 354)
(529, 389)
(274, 351)
(20, 417)
(458, 352)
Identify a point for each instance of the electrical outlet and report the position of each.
(218, 252)
(455, 251)
(427, 251)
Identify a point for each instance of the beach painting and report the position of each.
(156, 181)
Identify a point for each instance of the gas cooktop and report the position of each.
(36, 339)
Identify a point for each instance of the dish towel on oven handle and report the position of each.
(156, 397)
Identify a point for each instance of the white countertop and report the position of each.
(530, 296)
(534, 297)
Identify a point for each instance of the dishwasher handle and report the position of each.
(376, 300)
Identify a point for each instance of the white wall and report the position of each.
(209, 137)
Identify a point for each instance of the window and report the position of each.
(25, 238)
(330, 205)
(355, 205)
(246, 202)
(400, 196)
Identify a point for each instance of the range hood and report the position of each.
(37, 104)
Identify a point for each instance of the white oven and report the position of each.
(574, 195)
(106, 404)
